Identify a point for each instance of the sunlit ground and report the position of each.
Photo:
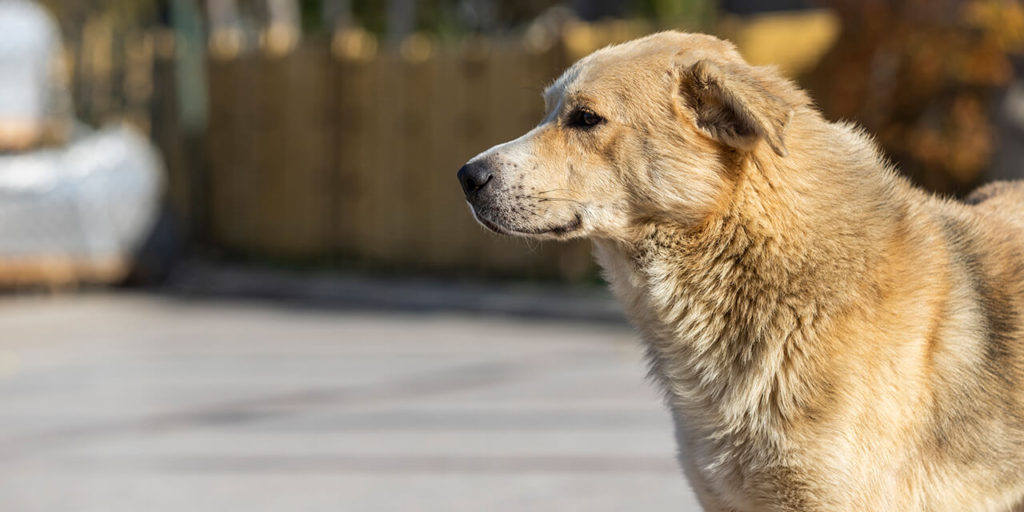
(129, 403)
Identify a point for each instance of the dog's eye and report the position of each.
(583, 118)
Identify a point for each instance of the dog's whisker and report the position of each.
(546, 199)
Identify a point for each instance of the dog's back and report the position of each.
(1002, 200)
(975, 433)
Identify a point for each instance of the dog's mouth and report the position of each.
(557, 230)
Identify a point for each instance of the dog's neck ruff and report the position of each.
(733, 312)
(724, 329)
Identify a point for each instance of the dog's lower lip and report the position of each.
(491, 225)
(569, 227)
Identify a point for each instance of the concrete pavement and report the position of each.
(147, 403)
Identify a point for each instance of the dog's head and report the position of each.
(650, 129)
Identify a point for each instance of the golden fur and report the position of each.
(828, 337)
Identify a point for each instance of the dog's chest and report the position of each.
(727, 438)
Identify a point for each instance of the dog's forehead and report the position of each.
(627, 65)
(606, 72)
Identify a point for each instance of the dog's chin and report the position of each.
(491, 225)
(564, 231)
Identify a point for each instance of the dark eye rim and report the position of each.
(584, 118)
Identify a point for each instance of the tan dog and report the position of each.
(827, 336)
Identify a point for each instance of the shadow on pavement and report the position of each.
(329, 290)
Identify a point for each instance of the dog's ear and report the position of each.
(733, 104)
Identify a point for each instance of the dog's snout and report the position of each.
(474, 176)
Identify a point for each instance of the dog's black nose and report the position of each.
(474, 176)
